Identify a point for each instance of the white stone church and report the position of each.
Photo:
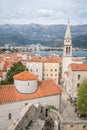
(26, 90)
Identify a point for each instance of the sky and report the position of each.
(43, 12)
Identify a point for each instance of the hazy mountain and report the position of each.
(51, 35)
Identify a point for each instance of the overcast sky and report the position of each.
(43, 11)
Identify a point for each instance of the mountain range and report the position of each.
(46, 35)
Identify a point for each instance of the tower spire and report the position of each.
(68, 31)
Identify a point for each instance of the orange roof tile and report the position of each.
(9, 94)
(1, 59)
(25, 75)
(78, 67)
(6, 64)
(45, 59)
(1, 74)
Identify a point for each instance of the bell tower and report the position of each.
(67, 50)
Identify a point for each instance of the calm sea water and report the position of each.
(60, 53)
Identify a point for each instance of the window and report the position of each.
(9, 116)
(47, 74)
(26, 116)
(78, 85)
(31, 70)
(28, 83)
(51, 75)
(41, 109)
(51, 70)
(36, 70)
(55, 69)
(79, 77)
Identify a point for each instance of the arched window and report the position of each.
(66, 50)
(69, 50)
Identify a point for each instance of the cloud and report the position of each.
(43, 11)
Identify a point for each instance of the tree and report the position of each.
(82, 99)
(17, 68)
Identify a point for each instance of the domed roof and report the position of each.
(25, 75)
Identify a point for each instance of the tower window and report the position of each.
(69, 50)
(66, 50)
(9, 116)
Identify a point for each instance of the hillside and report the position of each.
(51, 35)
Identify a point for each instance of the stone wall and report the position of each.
(67, 124)
(16, 107)
(29, 113)
(74, 125)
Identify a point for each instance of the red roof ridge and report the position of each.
(25, 75)
(78, 67)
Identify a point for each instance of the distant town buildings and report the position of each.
(41, 83)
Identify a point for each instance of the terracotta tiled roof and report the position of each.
(1, 74)
(77, 59)
(9, 94)
(25, 75)
(46, 60)
(6, 64)
(78, 67)
(1, 59)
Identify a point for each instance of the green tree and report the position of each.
(17, 68)
(82, 99)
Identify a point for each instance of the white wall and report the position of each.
(29, 86)
(36, 68)
(15, 109)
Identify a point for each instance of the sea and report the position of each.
(60, 53)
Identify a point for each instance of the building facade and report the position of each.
(75, 75)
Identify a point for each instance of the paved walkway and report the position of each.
(67, 110)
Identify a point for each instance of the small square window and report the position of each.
(36, 70)
(9, 116)
(79, 77)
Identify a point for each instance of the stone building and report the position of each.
(75, 75)
(26, 90)
(45, 68)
